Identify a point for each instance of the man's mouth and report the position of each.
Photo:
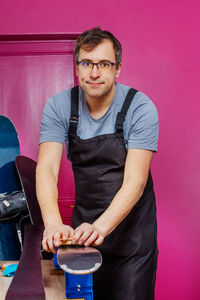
(94, 83)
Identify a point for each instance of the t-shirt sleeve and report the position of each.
(144, 129)
(53, 127)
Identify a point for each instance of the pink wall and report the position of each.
(161, 57)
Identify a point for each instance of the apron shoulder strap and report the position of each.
(73, 121)
(122, 114)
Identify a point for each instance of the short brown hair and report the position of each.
(89, 39)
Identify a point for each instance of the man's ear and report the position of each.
(76, 70)
(118, 71)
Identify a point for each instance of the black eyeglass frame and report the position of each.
(96, 64)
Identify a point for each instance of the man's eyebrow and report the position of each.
(86, 59)
(89, 60)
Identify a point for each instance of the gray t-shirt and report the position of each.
(140, 126)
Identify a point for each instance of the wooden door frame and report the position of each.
(38, 37)
(35, 44)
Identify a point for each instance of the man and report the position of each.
(110, 143)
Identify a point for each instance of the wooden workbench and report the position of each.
(54, 282)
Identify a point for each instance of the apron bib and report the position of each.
(130, 251)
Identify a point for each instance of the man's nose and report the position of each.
(95, 72)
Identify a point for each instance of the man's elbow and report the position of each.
(135, 186)
(45, 170)
(39, 171)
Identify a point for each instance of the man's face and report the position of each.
(98, 82)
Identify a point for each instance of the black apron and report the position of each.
(130, 251)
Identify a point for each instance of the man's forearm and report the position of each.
(47, 194)
(123, 202)
(136, 172)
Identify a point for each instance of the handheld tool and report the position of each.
(76, 259)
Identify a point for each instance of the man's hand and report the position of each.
(87, 234)
(53, 234)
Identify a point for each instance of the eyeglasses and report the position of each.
(103, 66)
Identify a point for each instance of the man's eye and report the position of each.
(85, 64)
(105, 65)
